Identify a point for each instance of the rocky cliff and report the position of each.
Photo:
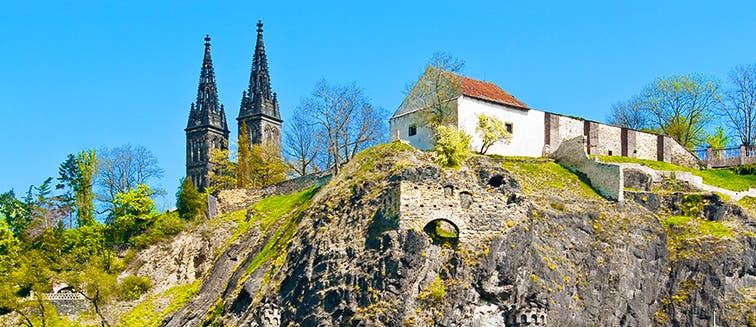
(396, 240)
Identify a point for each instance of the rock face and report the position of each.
(361, 257)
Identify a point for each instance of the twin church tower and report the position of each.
(207, 128)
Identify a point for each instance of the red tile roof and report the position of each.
(488, 91)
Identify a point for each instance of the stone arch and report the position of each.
(442, 231)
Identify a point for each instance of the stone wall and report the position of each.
(605, 178)
(645, 145)
(610, 140)
(237, 199)
(477, 212)
(568, 128)
(681, 156)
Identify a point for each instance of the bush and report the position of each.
(452, 145)
(132, 287)
(190, 203)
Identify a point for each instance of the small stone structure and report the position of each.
(533, 314)
(475, 210)
(606, 178)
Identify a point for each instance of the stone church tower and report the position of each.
(259, 106)
(207, 128)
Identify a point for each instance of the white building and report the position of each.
(534, 133)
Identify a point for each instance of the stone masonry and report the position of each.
(475, 210)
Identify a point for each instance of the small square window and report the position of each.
(509, 127)
(412, 130)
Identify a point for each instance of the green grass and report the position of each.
(547, 178)
(690, 227)
(272, 210)
(724, 178)
(749, 203)
(145, 314)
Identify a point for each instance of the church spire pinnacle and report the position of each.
(206, 110)
(259, 98)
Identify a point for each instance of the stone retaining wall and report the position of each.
(604, 177)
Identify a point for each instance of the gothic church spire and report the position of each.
(207, 110)
(207, 128)
(259, 105)
(259, 98)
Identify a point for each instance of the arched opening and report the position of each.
(496, 181)
(442, 232)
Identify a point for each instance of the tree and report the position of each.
(346, 118)
(14, 212)
(243, 157)
(265, 166)
(629, 114)
(434, 92)
(302, 144)
(86, 162)
(452, 145)
(718, 139)
(493, 131)
(190, 203)
(740, 103)
(96, 285)
(223, 174)
(677, 106)
(133, 212)
(122, 169)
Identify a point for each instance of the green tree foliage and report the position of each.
(492, 131)
(677, 106)
(132, 287)
(14, 212)
(452, 146)
(122, 169)
(718, 139)
(190, 203)
(134, 211)
(86, 162)
(223, 175)
(265, 166)
(96, 285)
(9, 248)
(243, 157)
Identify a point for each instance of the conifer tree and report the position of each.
(87, 164)
(242, 160)
(190, 203)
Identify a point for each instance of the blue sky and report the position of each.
(86, 74)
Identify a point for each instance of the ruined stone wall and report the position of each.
(645, 145)
(606, 178)
(477, 212)
(610, 140)
(568, 128)
(681, 156)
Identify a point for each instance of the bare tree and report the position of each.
(629, 114)
(122, 169)
(740, 103)
(301, 144)
(346, 119)
(433, 94)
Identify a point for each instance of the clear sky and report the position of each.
(85, 74)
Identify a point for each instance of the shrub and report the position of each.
(452, 145)
(132, 287)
